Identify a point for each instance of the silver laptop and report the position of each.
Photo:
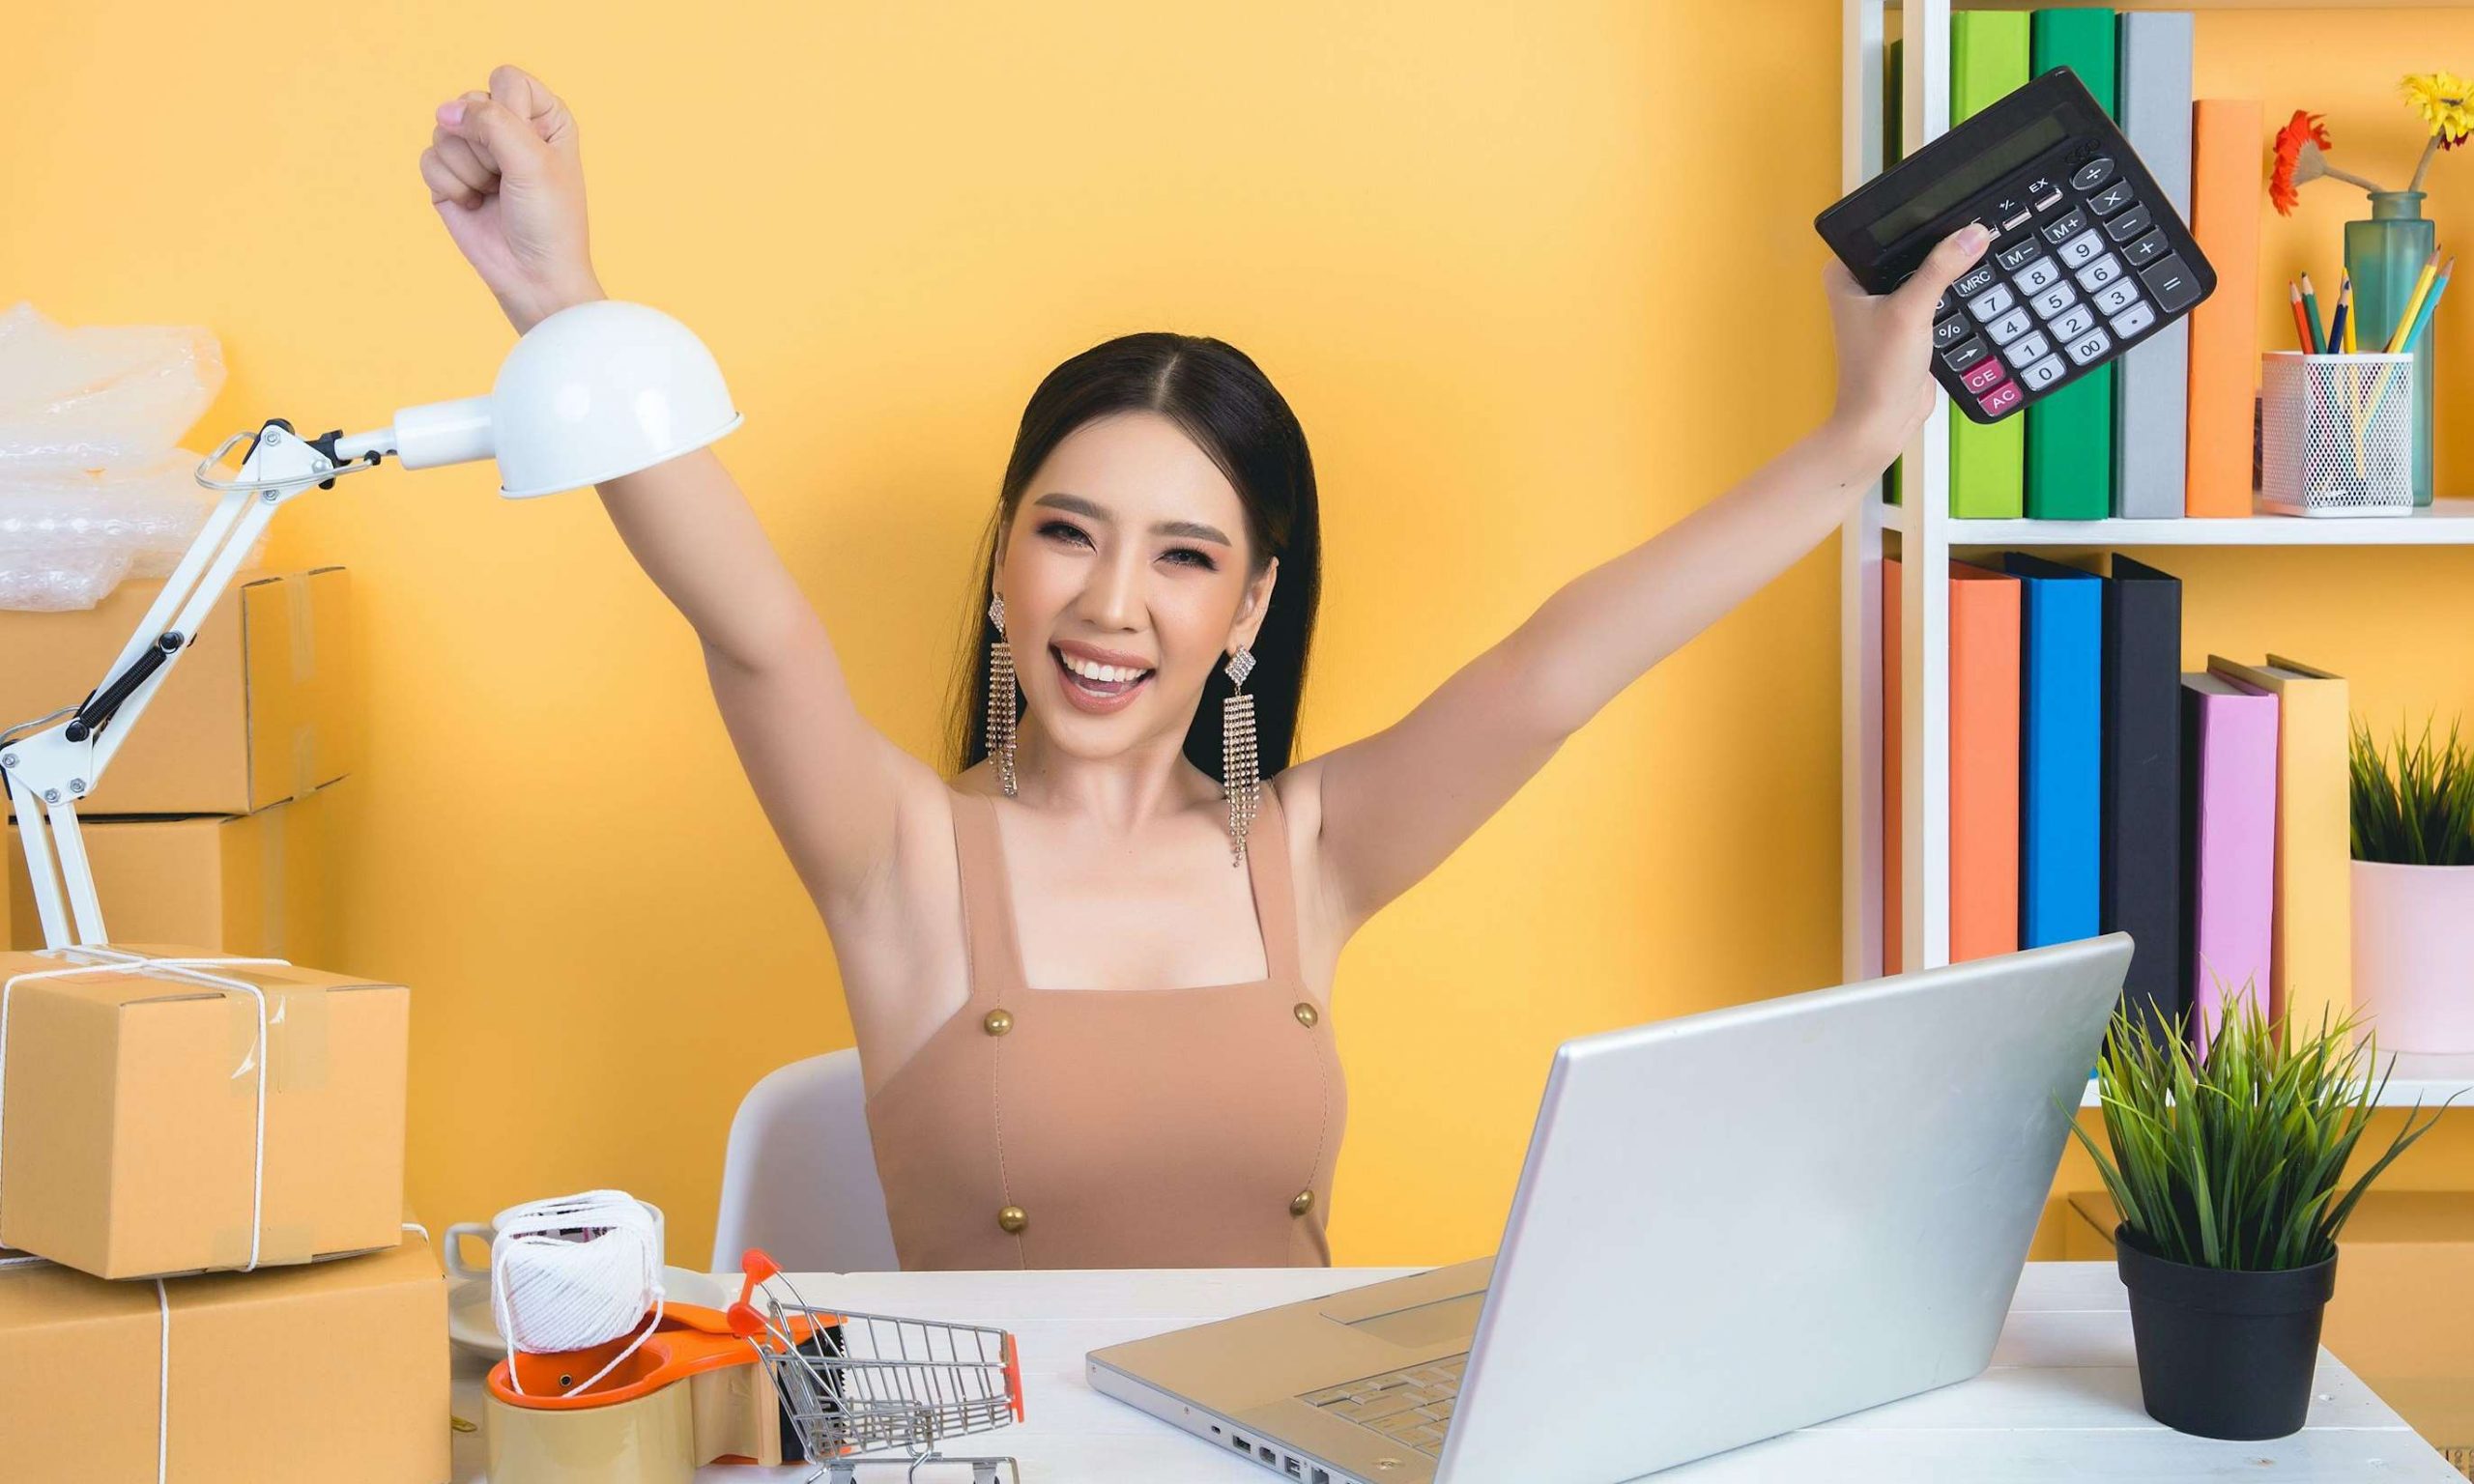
(1728, 1226)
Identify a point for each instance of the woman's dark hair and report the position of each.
(1224, 403)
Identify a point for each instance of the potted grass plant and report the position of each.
(2413, 889)
(2226, 1169)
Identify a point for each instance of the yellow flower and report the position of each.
(2442, 101)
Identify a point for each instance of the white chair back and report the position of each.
(799, 1179)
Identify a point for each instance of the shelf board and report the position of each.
(2444, 523)
(2210, 5)
(2414, 1078)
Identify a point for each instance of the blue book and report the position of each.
(2062, 670)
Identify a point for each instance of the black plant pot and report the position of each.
(2223, 1353)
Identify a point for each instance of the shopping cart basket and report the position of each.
(861, 1383)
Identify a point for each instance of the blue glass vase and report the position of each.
(2384, 256)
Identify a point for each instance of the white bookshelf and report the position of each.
(2446, 523)
(1928, 536)
(2427, 1080)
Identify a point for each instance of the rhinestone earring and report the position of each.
(1240, 764)
(1001, 697)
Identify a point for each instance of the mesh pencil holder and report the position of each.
(2336, 434)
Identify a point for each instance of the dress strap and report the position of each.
(1275, 902)
(988, 897)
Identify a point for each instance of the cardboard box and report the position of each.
(246, 884)
(260, 709)
(298, 1376)
(129, 1135)
(2403, 1318)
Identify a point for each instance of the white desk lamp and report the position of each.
(594, 391)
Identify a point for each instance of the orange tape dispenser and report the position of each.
(693, 1393)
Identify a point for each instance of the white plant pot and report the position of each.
(2414, 955)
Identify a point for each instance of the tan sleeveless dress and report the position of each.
(1171, 1127)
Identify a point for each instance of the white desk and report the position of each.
(2059, 1402)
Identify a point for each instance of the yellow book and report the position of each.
(2311, 933)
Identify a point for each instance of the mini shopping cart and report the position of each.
(860, 1383)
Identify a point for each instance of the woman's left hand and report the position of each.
(1885, 387)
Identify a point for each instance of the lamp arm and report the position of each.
(53, 762)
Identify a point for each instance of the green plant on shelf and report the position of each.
(2232, 1160)
(2413, 804)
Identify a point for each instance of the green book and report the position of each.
(1988, 462)
(1892, 101)
(2070, 432)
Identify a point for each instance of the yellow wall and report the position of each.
(1537, 279)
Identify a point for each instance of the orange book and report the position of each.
(1984, 762)
(2225, 151)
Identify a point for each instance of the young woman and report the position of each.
(1089, 1042)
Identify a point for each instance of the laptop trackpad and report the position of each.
(1426, 1324)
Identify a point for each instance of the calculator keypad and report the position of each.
(2036, 275)
(2095, 275)
(1991, 303)
(2146, 249)
(2076, 321)
(2073, 274)
(2169, 279)
(2017, 254)
(2122, 227)
(2032, 346)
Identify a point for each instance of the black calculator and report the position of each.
(2088, 256)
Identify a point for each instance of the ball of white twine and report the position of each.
(573, 1273)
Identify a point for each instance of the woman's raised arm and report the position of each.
(1396, 803)
(506, 175)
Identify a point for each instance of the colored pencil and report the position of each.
(2341, 331)
(2430, 306)
(2414, 331)
(2301, 325)
(2414, 303)
(2311, 306)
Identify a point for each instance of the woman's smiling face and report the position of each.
(1125, 577)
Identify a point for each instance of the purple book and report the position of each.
(2229, 839)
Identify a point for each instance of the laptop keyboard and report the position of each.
(1411, 1406)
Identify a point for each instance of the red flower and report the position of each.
(2302, 131)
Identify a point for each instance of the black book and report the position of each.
(2139, 883)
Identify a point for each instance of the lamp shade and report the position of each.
(596, 391)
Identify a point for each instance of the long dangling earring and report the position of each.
(1002, 715)
(1240, 766)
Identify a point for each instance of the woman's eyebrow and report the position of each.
(1076, 504)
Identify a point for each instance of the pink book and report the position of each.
(2230, 804)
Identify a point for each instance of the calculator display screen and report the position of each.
(1978, 172)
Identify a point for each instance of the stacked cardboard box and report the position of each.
(211, 826)
(208, 1278)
